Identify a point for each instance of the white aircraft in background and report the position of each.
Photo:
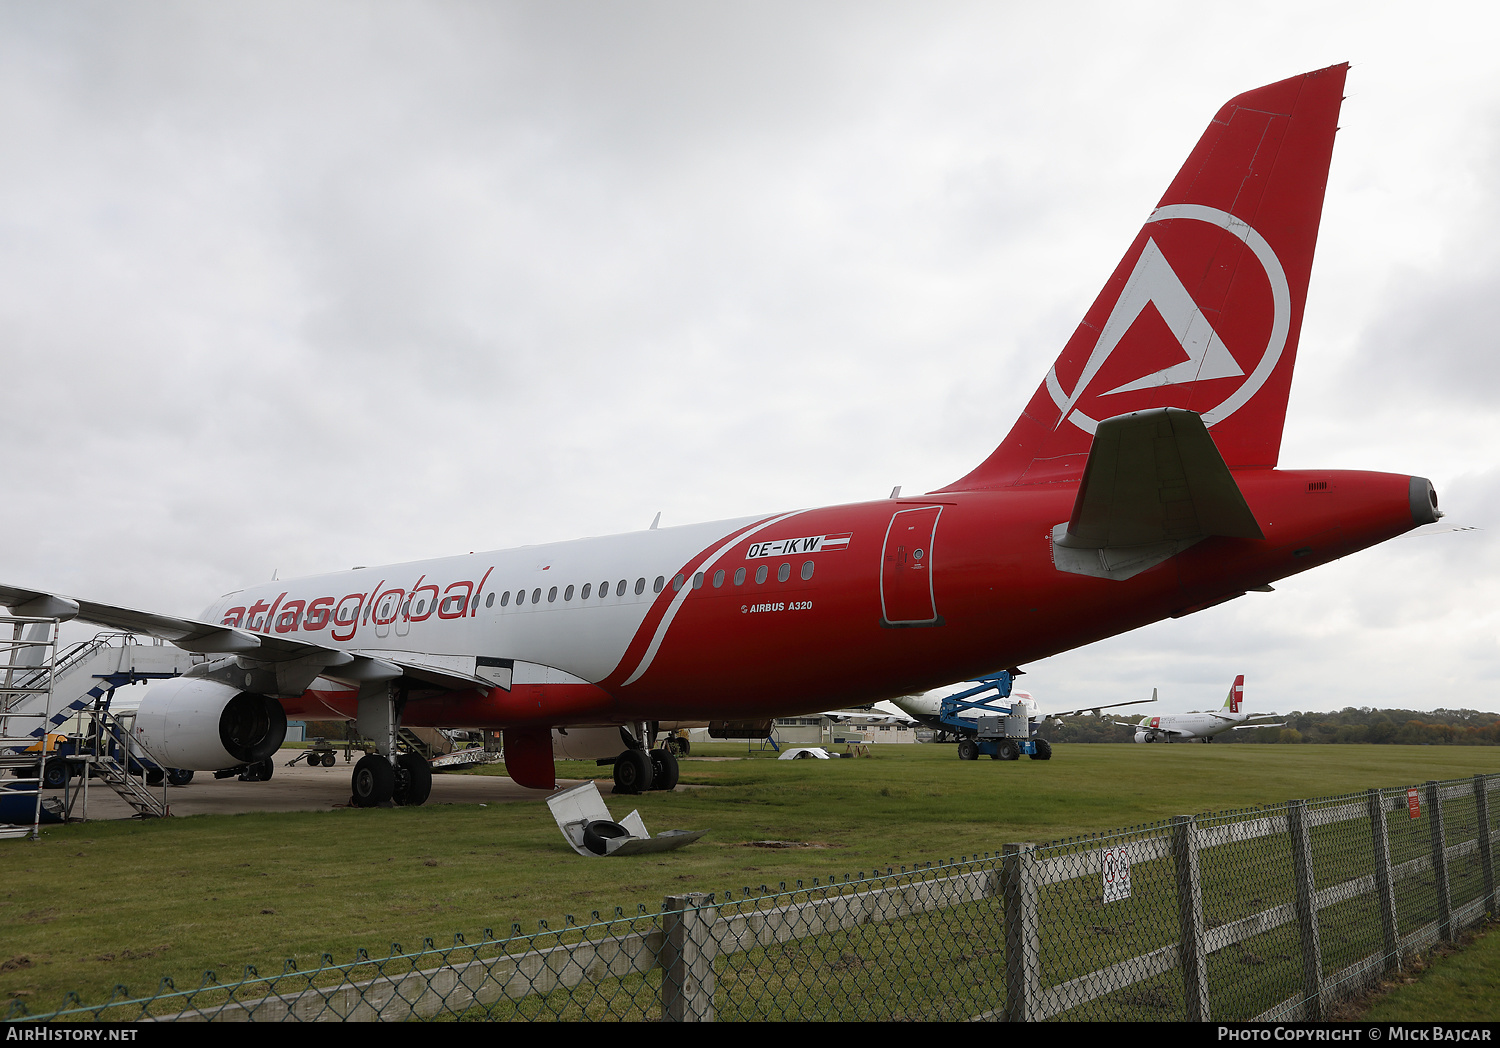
(1201, 726)
(880, 714)
(926, 707)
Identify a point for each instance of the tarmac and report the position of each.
(297, 787)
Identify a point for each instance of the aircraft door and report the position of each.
(906, 592)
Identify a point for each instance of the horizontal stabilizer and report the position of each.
(1154, 484)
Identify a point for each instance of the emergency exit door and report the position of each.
(906, 591)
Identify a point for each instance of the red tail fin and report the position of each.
(1204, 310)
(1237, 693)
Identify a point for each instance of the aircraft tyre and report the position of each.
(664, 770)
(1007, 750)
(260, 771)
(413, 780)
(1043, 751)
(179, 776)
(598, 832)
(968, 750)
(680, 747)
(373, 781)
(633, 772)
(154, 776)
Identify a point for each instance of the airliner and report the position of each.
(1140, 483)
(1184, 727)
(927, 709)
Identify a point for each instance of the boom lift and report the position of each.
(1001, 731)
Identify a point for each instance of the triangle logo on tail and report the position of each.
(1154, 282)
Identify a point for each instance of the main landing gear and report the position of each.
(639, 768)
(386, 777)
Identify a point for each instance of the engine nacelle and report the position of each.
(203, 725)
(1142, 736)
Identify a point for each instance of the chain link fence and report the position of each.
(1272, 913)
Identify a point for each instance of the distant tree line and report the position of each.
(1358, 725)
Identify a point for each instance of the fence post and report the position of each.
(1439, 860)
(1306, 905)
(1385, 888)
(687, 982)
(1190, 954)
(1486, 853)
(1023, 953)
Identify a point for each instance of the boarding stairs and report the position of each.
(428, 742)
(25, 711)
(42, 689)
(106, 753)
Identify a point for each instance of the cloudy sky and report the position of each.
(291, 287)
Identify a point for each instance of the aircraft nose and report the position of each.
(1424, 502)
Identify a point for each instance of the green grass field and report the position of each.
(95, 905)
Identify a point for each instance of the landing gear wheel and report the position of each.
(179, 776)
(1007, 750)
(664, 770)
(260, 771)
(413, 780)
(968, 750)
(154, 776)
(373, 781)
(1043, 751)
(633, 772)
(679, 746)
(597, 833)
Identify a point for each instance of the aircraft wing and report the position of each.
(206, 638)
(1095, 709)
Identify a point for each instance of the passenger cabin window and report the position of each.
(552, 595)
(536, 595)
(640, 586)
(678, 582)
(761, 573)
(718, 578)
(656, 587)
(587, 588)
(739, 576)
(504, 598)
(807, 570)
(568, 593)
(620, 589)
(698, 581)
(783, 573)
(489, 602)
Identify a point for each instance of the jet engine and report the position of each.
(201, 724)
(1142, 736)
